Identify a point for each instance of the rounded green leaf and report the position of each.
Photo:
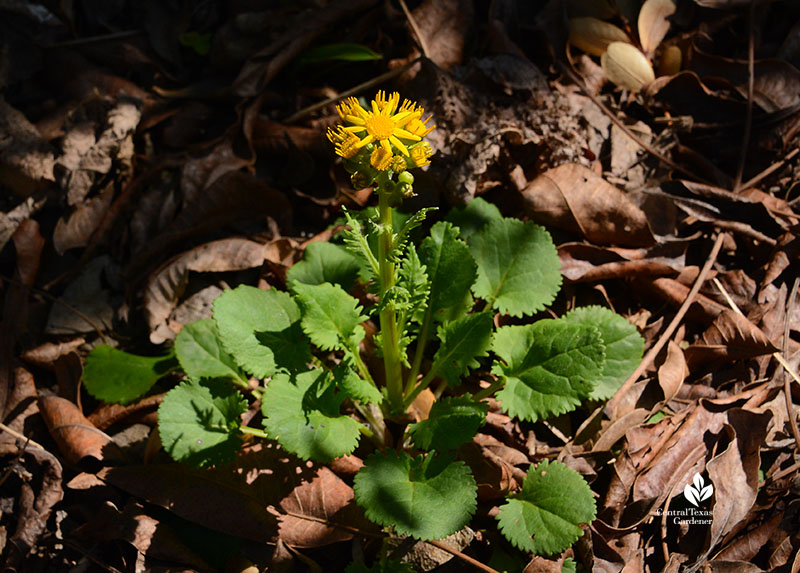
(427, 497)
(114, 376)
(331, 317)
(200, 353)
(624, 347)
(303, 415)
(198, 423)
(451, 422)
(474, 217)
(261, 330)
(550, 367)
(325, 263)
(547, 515)
(518, 268)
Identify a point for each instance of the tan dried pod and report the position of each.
(653, 23)
(670, 62)
(593, 36)
(626, 66)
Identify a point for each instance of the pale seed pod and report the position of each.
(593, 36)
(627, 67)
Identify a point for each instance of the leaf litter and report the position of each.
(144, 178)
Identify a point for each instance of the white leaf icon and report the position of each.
(690, 494)
(698, 482)
(706, 492)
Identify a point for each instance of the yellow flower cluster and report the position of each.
(395, 130)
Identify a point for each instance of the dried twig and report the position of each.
(414, 28)
(462, 556)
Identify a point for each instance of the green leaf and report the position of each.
(450, 267)
(550, 367)
(413, 283)
(199, 421)
(463, 340)
(569, 566)
(472, 218)
(356, 387)
(451, 422)
(343, 51)
(303, 415)
(427, 497)
(518, 267)
(356, 242)
(261, 330)
(401, 238)
(331, 317)
(624, 347)
(200, 353)
(114, 376)
(325, 263)
(545, 517)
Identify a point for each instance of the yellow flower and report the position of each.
(421, 154)
(381, 159)
(346, 143)
(384, 123)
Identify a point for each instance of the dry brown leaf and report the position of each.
(75, 435)
(204, 497)
(574, 198)
(593, 35)
(443, 24)
(730, 337)
(672, 372)
(313, 510)
(76, 228)
(26, 162)
(654, 23)
(166, 286)
(581, 262)
(627, 67)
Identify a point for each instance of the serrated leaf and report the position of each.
(413, 282)
(198, 423)
(545, 517)
(450, 267)
(331, 317)
(569, 566)
(356, 387)
(401, 238)
(462, 341)
(427, 497)
(451, 422)
(325, 263)
(518, 267)
(302, 414)
(261, 330)
(474, 217)
(114, 376)
(356, 242)
(550, 367)
(624, 347)
(200, 353)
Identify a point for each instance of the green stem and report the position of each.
(426, 380)
(391, 347)
(419, 353)
(253, 431)
(378, 434)
(488, 391)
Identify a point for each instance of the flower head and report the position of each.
(387, 124)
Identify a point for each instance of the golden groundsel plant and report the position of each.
(300, 352)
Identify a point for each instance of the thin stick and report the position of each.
(462, 556)
(769, 170)
(411, 22)
(651, 355)
(352, 91)
(748, 119)
(16, 434)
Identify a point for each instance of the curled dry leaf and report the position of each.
(574, 198)
(75, 435)
(443, 25)
(654, 23)
(627, 67)
(593, 35)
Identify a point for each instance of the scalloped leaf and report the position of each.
(261, 330)
(450, 267)
(472, 218)
(519, 272)
(302, 414)
(199, 421)
(114, 376)
(200, 353)
(325, 262)
(463, 340)
(550, 367)
(451, 422)
(356, 387)
(624, 347)
(331, 317)
(546, 516)
(427, 497)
